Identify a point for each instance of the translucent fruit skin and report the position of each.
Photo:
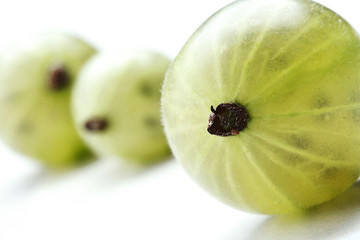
(295, 66)
(123, 89)
(34, 119)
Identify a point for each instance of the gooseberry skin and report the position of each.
(116, 106)
(295, 66)
(35, 112)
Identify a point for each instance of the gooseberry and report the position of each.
(116, 106)
(262, 105)
(36, 78)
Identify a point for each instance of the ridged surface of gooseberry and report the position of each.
(295, 66)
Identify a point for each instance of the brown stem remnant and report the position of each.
(228, 119)
(58, 78)
(96, 124)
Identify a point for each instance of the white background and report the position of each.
(108, 200)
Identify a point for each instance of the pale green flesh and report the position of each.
(295, 66)
(124, 90)
(36, 120)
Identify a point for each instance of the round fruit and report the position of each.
(36, 78)
(116, 106)
(262, 105)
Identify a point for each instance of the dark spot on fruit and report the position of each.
(58, 78)
(83, 156)
(322, 102)
(330, 173)
(151, 122)
(228, 119)
(300, 142)
(25, 127)
(146, 89)
(96, 124)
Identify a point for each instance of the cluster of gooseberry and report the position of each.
(61, 102)
(261, 106)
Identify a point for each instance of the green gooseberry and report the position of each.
(116, 106)
(262, 105)
(36, 78)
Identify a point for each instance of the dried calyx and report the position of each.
(58, 77)
(96, 124)
(228, 119)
